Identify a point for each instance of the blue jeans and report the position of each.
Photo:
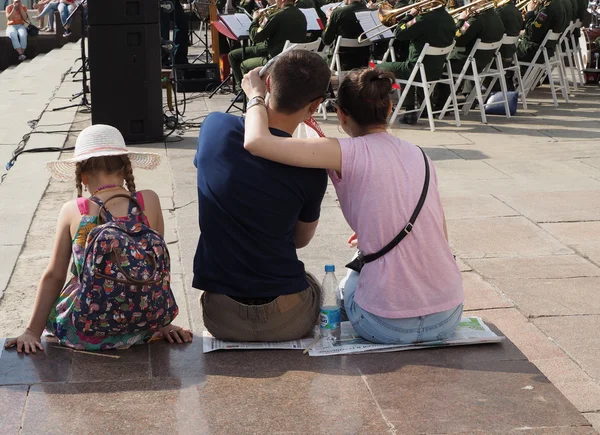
(18, 36)
(65, 11)
(49, 10)
(432, 327)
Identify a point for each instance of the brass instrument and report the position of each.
(381, 3)
(522, 5)
(474, 7)
(267, 12)
(390, 17)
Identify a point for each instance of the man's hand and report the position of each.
(255, 14)
(253, 85)
(464, 15)
(27, 342)
(531, 6)
(414, 12)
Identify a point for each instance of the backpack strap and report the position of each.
(104, 212)
(82, 204)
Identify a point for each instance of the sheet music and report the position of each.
(328, 6)
(239, 26)
(368, 20)
(313, 22)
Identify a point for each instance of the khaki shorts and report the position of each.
(288, 317)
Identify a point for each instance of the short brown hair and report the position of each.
(298, 77)
(364, 94)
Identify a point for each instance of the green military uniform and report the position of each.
(513, 24)
(550, 15)
(343, 22)
(486, 26)
(435, 28)
(287, 24)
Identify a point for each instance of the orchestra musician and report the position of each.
(342, 22)
(435, 28)
(269, 31)
(481, 22)
(540, 18)
(512, 19)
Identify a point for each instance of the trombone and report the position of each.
(471, 7)
(389, 17)
(522, 5)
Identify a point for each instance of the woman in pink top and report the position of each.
(414, 292)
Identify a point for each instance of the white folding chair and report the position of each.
(577, 52)
(336, 64)
(536, 72)
(515, 67)
(477, 76)
(309, 46)
(390, 53)
(566, 55)
(427, 86)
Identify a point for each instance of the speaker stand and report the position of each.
(84, 82)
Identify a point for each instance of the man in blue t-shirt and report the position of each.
(254, 214)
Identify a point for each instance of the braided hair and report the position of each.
(108, 165)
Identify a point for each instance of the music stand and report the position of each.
(225, 31)
(201, 8)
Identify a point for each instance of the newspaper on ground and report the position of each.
(210, 344)
(471, 330)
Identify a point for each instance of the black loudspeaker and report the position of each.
(112, 12)
(125, 68)
(197, 78)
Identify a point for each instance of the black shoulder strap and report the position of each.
(411, 222)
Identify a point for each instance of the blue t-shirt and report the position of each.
(248, 208)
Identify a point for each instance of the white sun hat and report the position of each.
(98, 141)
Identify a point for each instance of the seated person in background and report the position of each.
(269, 33)
(41, 6)
(512, 19)
(470, 27)
(342, 22)
(540, 18)
(254, 214)
(16, 16)
(414, 292)
(435, 28)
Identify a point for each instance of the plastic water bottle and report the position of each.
(330, 311)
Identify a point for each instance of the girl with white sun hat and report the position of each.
(103, 165)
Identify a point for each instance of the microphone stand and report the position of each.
(84, 72)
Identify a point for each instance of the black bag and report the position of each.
(32, 30)
(358, 263)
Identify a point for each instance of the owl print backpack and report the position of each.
(125, 276)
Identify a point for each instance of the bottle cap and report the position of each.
(329, 268)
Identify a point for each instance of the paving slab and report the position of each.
(574, 335)
(594, 418)
(557, 206)
(590, 251)
(575, 233)
(553, 297)
(501, 237)
(12, 402)
(577, 386)
(534, 344)
(544, 267)
(475, 206)
(473, 396)
(480, 295)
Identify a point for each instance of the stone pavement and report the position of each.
(522, 197)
